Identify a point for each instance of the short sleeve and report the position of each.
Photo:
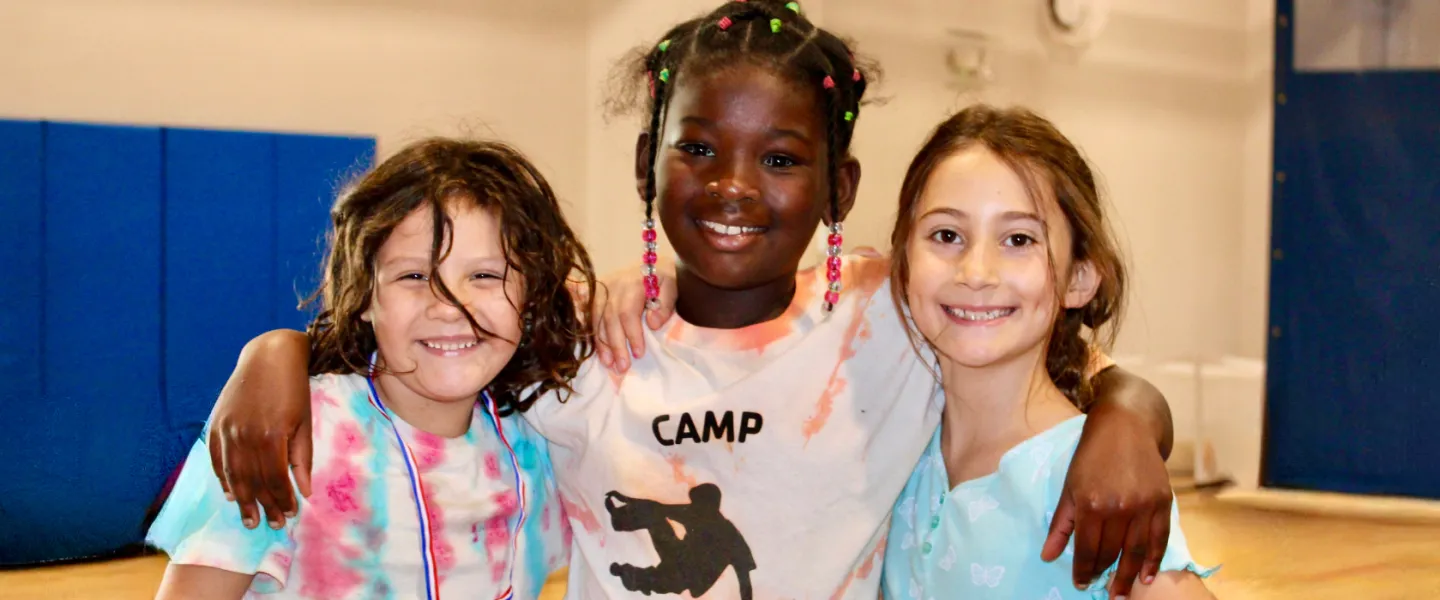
(198, 526)
(1177, 557)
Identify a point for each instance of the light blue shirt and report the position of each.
(983, 538)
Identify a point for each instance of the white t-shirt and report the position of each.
(760, 462)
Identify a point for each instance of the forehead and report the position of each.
(746, 97)
(976, 180)
(470, 226)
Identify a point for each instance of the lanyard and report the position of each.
(422, 506)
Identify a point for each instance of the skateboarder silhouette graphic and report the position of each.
(692, 563)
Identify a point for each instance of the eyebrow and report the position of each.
(775, 132)
(1011, 215)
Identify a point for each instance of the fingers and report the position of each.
(1159, 531)
(1062, 525)
(634, 331)
(217, 462)
(1088, 532)
(1137, 538)
(302, 453)
(597, 325)
(615, 336)
(241, 488)
(1112, 541)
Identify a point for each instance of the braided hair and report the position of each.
(768, 33)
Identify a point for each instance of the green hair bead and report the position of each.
(795, 6)
(849, 116)
(665, 75)
(775, 25)
(664, 45)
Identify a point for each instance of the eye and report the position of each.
(779, 161)
(1018, 240)
(947, 236)
(486, 275)
(412, 276)
(695, 149)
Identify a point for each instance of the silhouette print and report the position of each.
(689, 564)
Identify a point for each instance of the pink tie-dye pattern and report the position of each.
(444, 551)
(429, 450)
(322, 567)
(862, 571)
(492, 465)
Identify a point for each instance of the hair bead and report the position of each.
(793, 6)
(856, 76)
(664, 45)
(849, 116)
(775, 25)
(725, 23)
(829, 83)
(665, 75)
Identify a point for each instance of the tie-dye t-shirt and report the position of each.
(982, 539)
(759, 462)
(357, 536)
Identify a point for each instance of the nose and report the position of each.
(978, 267)
(441, 309)
(735, 184)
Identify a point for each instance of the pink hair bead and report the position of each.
(725, 23)
(649, 235)
(832, 298)
(651, 258)
(829, 83)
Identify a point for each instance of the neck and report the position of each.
(445, 419)
(704, 305)
(1000, 403)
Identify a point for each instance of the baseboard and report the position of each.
(1327, 504)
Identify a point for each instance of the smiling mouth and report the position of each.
(724, 229)
(978, 317)
(450, 347)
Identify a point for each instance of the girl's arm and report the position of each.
(194, 582)
(260, 427)
(1117, 496)
(1172, 585)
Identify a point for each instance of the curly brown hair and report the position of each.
(538, 244)
(1049, 165)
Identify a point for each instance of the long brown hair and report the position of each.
(538, 244)
(1050, 166)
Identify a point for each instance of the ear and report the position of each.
(642, 162)
(847, 182)
(1084, 282)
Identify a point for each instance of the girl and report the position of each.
(443, 296)
(758, 450)
(1001, 257)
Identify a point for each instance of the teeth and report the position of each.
(729, 229)
(450, 347)
(979, 316)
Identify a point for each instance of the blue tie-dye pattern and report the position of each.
(377, 429)
(198, 517)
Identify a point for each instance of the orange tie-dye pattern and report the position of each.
(756, 338)
(863, 571)
(866, 276)
(677, 467)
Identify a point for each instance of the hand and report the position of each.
(260, 428)
(619, 305)
(1117, 497)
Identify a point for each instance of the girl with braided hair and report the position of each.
(772, 426)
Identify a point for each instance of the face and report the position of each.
(423, 340)
(741, 175)
(982, 287)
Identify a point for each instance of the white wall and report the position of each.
(395, 70)
(1158, 103)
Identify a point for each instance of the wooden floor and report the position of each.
(1264, 555)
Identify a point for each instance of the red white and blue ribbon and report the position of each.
(422, 506)
(493, 411)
